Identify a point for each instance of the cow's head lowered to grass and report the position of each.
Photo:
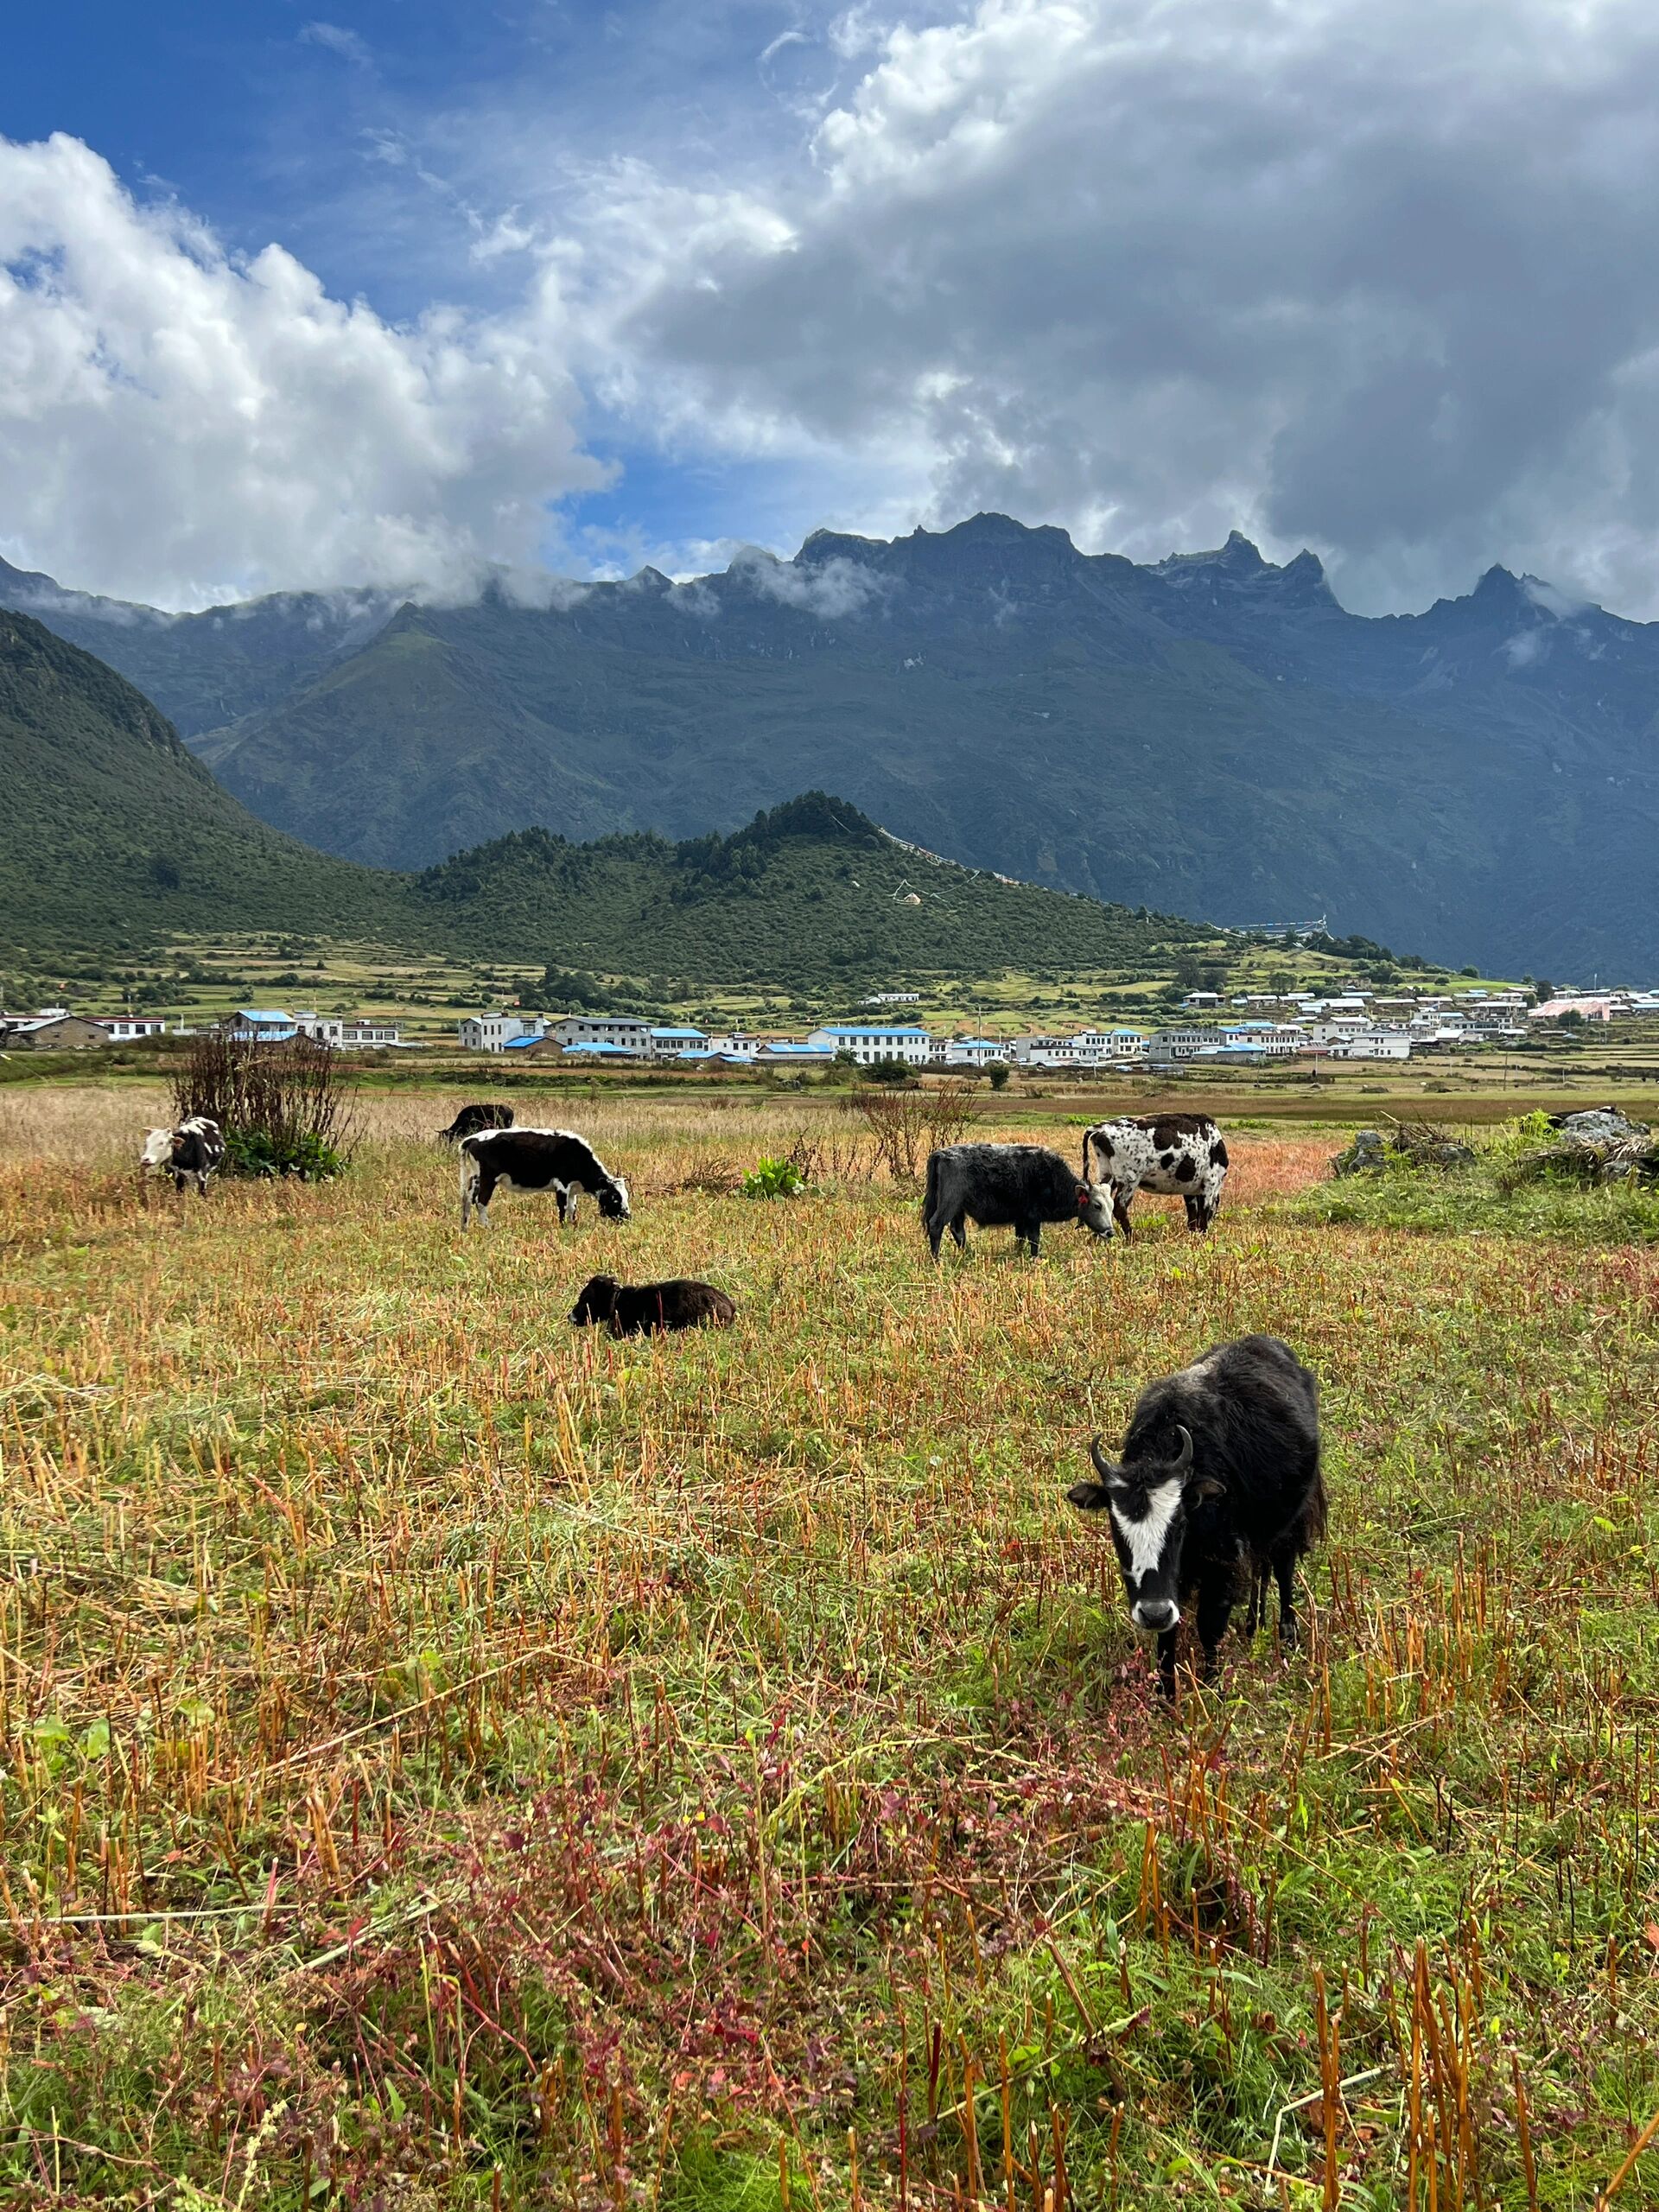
(1148, 1503)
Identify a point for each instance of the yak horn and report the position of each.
(1103, 1467)
(1184, 1457)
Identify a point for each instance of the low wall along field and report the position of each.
(448, 1759)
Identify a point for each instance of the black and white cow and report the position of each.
(1219, 1482)
(471, 1119)
(1018, 1187)
(537, 1160)
(1177, 1156)
(190, 1152)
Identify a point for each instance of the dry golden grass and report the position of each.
(450, 1758)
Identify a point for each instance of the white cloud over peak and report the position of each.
(1373, 274)
(1370, 274)
(180, 424)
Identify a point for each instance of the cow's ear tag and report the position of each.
(1083, 1196)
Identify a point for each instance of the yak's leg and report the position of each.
(1034, 1236)
(1166, 1643)
(959, 1231)
(1258, 1605)
(1285, 1569)
(1215, 1611)
(1121, 1210)
(1194, 1214)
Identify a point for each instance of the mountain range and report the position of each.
(118, 840)
(1210, 734)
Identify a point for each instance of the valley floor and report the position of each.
(451, 1759)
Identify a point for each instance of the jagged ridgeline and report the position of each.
(812, 891)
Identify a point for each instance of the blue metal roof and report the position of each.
(263, 1013)
(601, 1046)
(679, 1033)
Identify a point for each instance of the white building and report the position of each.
(1277, 1040)
(971, 1052)
(1097, 1045)
(1374, 1045)
(126, 1028)
(1167, 1046)
(492, 1032)
(628, 1030)
(868, 1043)
(894, 998)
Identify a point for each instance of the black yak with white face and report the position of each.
(1018, 1187)
(1218, 1484)
(642, 1309)
(537, 1160)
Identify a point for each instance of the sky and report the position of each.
(411, 292)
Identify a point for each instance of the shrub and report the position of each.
(772, 1178)
(908, 1125)
(285, 1109)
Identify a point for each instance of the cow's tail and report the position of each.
(1086, 1135)
(465, 1161)
(930, 1197)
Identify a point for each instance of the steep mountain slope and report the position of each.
(113, 830)
(205, 670)
(116, 835)
(1211, 735)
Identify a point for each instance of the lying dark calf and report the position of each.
(642, 1309)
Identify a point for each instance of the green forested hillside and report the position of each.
(117, 837)
(115, 834)
(811, 893)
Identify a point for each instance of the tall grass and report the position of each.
(450, 1760)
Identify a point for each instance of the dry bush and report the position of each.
(284, 1108)
(907, 1125)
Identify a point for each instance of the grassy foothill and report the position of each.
(448, 1759)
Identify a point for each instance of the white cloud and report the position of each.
(346, 43)
(830, 589)
(178, 425)
(1373, 274)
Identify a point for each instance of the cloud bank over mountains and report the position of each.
(1375, 275)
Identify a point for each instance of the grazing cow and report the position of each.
(1018, 1187)
(1177, 1156)
(537, 1160)
(1220, 1472)
(642, 1309)
(471, 1119)
(193, 1151)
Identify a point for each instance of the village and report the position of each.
(1254, 1030)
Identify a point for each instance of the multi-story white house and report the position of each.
(970, 1051)
(1372, 1045)
(1278, 1039)
(492, 1032)
(1167, 1046)
(126, 1028)
(629, 1030)
(869, 1042)
(1109, 1044)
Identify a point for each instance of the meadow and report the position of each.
(448, 1759)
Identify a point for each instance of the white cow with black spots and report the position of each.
(1177, 1155)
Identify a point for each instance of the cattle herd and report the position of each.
(1216, 1489)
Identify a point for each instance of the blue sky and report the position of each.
(408, 292)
